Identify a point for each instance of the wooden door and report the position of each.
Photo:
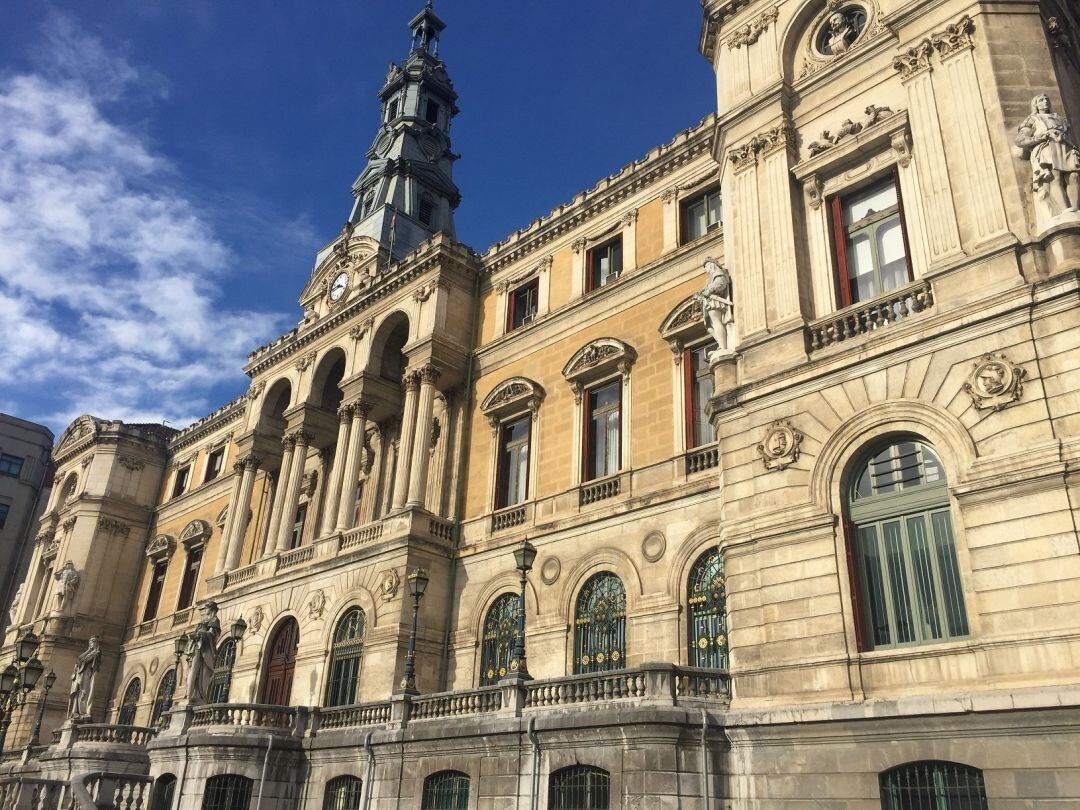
(281, 662)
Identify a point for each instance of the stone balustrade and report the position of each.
(114, 791)
(365, 714)
(119, 735)
(361, 536)
(869, 316)
(296, 556)
(604, 686)
(508, 518)
(702, 458)
(23, 793)
(595, 491)
(456, 704)
(245, 715)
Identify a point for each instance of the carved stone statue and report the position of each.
(718, 309)
(67, 582)
(1044, 139)
(841, 33)
(201, 653)
(81, 696)
(13, 611)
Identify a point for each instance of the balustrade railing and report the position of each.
(106, 733)
(241, 575)
(600, 490)
(615, 685)
(21, 793)
(708, 684)
(181, 617)
(869, 316)
(702, 458)
(440, 528)
(245, 715)
(364, 714)
(456, 704)
(295, 557)
(116, 791)
(361, 535)
(508, 518)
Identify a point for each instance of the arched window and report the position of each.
(707, 612)
(901, 552)
(130, 703)
(343, 793)
(580, 787)
(500, 631)
(164, 790)
(164, 698)
(600, 625)
(345, 656)
(934, 786)
(223, 667)
(446, 790)
(227, 792)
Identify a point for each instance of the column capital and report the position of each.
(429, 374)
(410, 381)
(362, 408)
(345, 412)
(288, 441)
(302, 438)
(250, 461)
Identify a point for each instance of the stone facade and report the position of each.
(833, 562)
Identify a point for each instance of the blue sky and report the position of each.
(168, 168)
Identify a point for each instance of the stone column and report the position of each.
(288, 443)
(333, 485)
(411, 383)
(239, 522)
(421, 453)
(347, 494)
(291, 502)
(234, 500)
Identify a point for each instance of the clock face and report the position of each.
(338, 286)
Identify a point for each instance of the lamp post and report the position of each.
(18, 679)
(418, 582)
(237, 629)
(50, 679)
(524, 557)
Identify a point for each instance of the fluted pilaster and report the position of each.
(337, 471)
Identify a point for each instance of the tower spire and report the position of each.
(408, 180)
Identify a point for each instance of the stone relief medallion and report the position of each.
(653, 546)
(550, 570)
(316, 605)
(255, 621)
(780, 448)
(995, 382)
(153, 665)
(391, 583)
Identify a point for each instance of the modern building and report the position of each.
(25, 480)
(807, 538)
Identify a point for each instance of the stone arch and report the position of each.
(601, 559)
(686, 554)
(387, 358)
(496, 587)
(956, 448)
(325, 391)
(277, 399)
(68, 490)
(356, 596)
(806, 20)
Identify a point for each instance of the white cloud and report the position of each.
(109, 275)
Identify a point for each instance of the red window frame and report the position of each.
(192, 566)
(157, 586)
(839, 238)
(503, 470)
(511, 304)
(590, 261)
(587, 473)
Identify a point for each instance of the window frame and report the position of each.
(158, 574)
(163, 698)
(690, 386)
(182, 480)
(219, 453)
(714, 613)
(129, 703)
(502, 460)
(11, 466)
(343, 651)
(5, 512)
(224, 663)
(343, 792)
(235, 792)
(684, 214)
(558, 800)
(592, 279)
(974, 792)
(588, 471)
(189, 583)
(616, 656)
(533, 286)
(497, 649)
(840, 233)
(299, 524)
(433, 798)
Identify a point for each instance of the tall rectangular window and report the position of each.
(603, 421)
(298, 526)
(701, 215)
(699, 390)
(181, 481)
(513, 473)
(359, 508)
(4, 510)
(10, 465)
(604, 263)
(523, 305)
(191, 578)
(870, 242)
(431, 111)
(214, 463)
(157, 584)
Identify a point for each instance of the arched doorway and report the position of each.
(276, 689)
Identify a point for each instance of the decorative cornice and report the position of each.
(752, 31)
(113, 526)
(512, 392)
(771, 140)
(849, 128)
(197, 431)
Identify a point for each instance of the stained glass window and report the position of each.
(345, 657)
(600, 625)
(500, 631)
(707, 611)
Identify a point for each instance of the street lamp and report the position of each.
(524, 557)
(18, 678)
(238, 628)
(418, 582)
(26, 646)
(50, 679)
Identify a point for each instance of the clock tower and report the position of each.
(406, 193)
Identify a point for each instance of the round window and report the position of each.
(840, 30)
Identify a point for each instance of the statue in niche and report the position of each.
(81, 696)
(201, 652)
(67, 582)
(718, 309)
(1044, 140)
(13, 611)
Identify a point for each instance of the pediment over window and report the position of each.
(195, 534)
(684, 323)
(161, 547)
(597, 358)
(513, 394)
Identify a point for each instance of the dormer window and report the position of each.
(431, 111)
(426, 214)
(604, 263)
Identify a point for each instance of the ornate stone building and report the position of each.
(788, 410)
